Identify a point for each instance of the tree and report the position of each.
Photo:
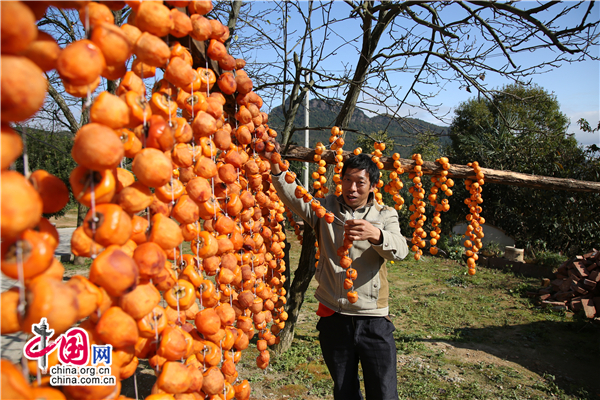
(350, 52)
(50, 151)
(534, 141)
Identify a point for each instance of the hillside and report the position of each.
(323, 114)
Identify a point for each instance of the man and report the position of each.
(361, 331)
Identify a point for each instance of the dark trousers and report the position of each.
(346, 340)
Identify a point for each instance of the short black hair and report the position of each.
(363, 161)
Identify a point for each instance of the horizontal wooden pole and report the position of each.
(304, 154)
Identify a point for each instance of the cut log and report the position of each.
(304, 154)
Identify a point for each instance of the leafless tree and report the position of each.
(383, 56)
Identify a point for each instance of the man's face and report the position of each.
(356, 187)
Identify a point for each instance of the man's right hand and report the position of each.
(268, 152)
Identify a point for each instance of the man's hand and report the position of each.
(270, 146)
(359, 229)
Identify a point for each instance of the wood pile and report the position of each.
(576, 286)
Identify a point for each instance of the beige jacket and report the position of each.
(369, 260)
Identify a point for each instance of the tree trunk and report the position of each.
(81, 212)
(299, 153)
(302, 278)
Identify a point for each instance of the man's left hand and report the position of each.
(359, 229)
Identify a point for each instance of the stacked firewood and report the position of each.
(576, 286)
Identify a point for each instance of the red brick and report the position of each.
(588, 284)
(562, 296)
(588, 308)
(545, 296)
(597, 302)
(579, 289)
(579, 269)
(576, 305)
(592, 266)
(594, 276)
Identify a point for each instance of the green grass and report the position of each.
(457, 337)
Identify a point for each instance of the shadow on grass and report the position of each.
(565, 354)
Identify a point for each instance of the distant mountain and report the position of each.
(323, 114)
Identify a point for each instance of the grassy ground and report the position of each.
(457, 336)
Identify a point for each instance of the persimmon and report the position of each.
(152, 167)
(182, 24)
(115, 271)
(171, 191)
(153, 323)
(244, 83)
(152, 50)
(227, 83)
(108, 224)
(204, 124)
(82, 245)
(141, 300)
(139, 225)
(97, 147)
(23, 90)
(135, 198)
(52, 190)
(150, 259)
(173, 345)
(179, 72)
(18, 27)
(89, 296)
(52, 299)
(159, 134)
(95, 14)
(9, 301)
(181, 296)
(201, 28)
(185, 211)
(21, 204)
(166, 278)
(11, 146)
(86, 183)
(173, 378)
(131, 83)
(14, 385)
(80, 63)
(162, 105)
(182, 131)
(165, 232)
(43, 51)
(155, 18)
(118, 328)
(181, 155)
(109, 110)
(242, 390)
(199, 189)
(205, 245)
(112, 42)
(123, 177)
(160, 207)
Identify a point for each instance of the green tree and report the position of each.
(50, 151)
(522, 129)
